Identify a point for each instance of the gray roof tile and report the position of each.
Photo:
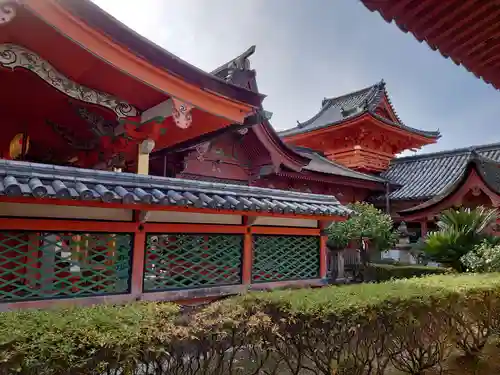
(83, 184)
(488, 169)
(335, 111)
(428, 175)
(319, 163)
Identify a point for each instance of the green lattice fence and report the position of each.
(35, 265)
(281, 258)
(178, 261)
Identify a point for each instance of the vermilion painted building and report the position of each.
(94, 118)
(129, 174)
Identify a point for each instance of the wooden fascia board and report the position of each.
(122, 59)
(384, 104)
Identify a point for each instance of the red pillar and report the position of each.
(423, 225)
(138, 263)
(247, 257)
(323, 256)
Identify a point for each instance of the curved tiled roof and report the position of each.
(97, 18)
(487, 169)
(428, 175)
(335, 111)
(50, 181)
(319, 163)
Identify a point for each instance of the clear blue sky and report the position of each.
(308, 50)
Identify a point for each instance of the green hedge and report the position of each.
(82, 340)
(411, 325)
(385, 272)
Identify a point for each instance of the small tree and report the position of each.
(367, 222)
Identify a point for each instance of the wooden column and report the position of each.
(323, 253)
(144, 149)
(247, 257)
(323, 249)
(340, 265)
(246, 275)
(139, 251)
(423, 227)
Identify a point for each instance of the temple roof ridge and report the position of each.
(241, 61)
(337, 110)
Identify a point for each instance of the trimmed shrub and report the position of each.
(385, 272)
(411, 325)
(94, 340)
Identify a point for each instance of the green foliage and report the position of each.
(460, 231)
(367, 222)
(85, 340)
(385, 272)
(484, 258)
(409, 324)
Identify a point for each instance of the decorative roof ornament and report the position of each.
(7, 11)
(15, 56)
(181, 112)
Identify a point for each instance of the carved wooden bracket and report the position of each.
(182, 113)
(14, 56)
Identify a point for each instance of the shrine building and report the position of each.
(128, 174)
(105, 146)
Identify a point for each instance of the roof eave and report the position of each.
(98, 19)
(474, 163)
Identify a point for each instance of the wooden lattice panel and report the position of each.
(36, 265)
(281, 258)
(181, 261)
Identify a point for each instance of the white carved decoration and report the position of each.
(15, 56)
(243, 131)
(7, 11)
(476, 191)
(201, 150)
(182, 113)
